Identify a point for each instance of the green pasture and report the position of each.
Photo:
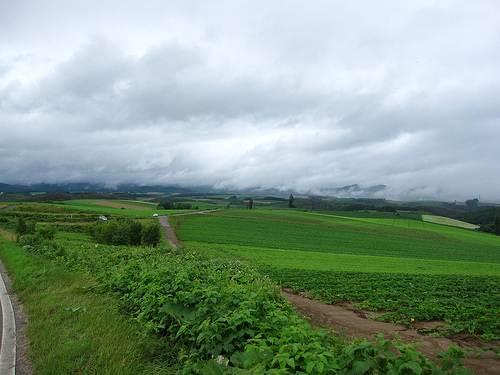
(149, 205)
(320, 261)
(307, 232)
(448, 221)
(88, 205)
(451, 233)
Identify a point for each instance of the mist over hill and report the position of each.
(348, 191)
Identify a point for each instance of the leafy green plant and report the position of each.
(47, 232)
(150, 234)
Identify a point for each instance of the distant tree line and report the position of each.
(64, 196)
(349, 205)
(61, 196)
(169, 205)
(279, 199)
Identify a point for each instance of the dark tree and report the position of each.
(472, 204)
(135, 233)
(250, 203)
(21, 225)
(150, 234)
(496, 230)
(290, 201)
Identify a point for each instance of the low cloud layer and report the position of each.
(242, 94)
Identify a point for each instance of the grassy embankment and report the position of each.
(73, 330)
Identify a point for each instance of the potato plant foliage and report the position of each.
(225, 318)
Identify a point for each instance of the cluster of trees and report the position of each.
(64, 196)
(492, 227)
(168, 205)
(125, 232)
(24, 227)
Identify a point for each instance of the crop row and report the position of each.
(470, 304)
(330, 239)
(322, 261)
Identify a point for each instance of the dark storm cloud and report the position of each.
(238, 94)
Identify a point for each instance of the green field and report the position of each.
(447, 221)
(391, 238)
(218, 296)
(414, 269)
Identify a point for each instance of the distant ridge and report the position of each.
(348, 191)
(87, 187)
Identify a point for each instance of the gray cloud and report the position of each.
(240, 94)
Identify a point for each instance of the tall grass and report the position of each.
(72, 328)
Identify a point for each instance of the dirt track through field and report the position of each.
(355, 324)
(169, 232)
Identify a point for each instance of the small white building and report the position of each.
(155, 215)
(103, 218)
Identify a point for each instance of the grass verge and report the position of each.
(73, 329)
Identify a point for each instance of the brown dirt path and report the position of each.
(355, 325)
(169, 232)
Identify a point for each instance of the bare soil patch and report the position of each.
(355, 324)
(121, 205)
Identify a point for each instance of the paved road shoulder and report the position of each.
(14, 347)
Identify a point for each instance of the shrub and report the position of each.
(21, 225)
(150, 235)
(135, 233)
(47, 232)
(30, 227)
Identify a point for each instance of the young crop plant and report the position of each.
(469, 304)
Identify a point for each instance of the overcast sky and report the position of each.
(288, 94)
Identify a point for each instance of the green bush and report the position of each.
(117, 232)
(21, 225)
(30, 227)
(47, 232)
(150, 234)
